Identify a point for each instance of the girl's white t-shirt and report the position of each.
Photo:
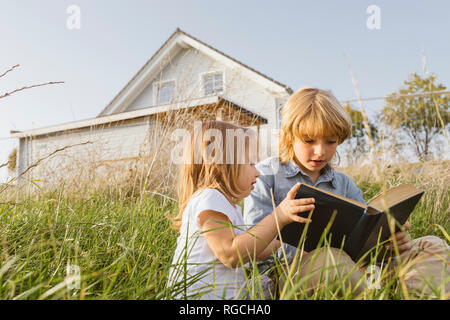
(194, 257)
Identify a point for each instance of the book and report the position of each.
(356, 227)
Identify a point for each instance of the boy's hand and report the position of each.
(402, 238)
(288, 209)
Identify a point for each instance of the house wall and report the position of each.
(187, 69)
(24, 154)
(121, 140)
(84, 153)
(124, 139)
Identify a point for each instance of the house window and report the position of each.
(165, 92)
(213, 83)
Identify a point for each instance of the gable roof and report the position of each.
(178, 40)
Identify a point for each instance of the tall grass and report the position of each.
(123, 243)
(431, 177)
(122, 246)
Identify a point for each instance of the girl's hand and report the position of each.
(288, 209)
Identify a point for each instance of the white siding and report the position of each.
(126, 139)
(24, 154)
(187, 68)
(117, 141)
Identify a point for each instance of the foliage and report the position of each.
(124, 244)
(421, 116)
(358, 138)
(12, 160)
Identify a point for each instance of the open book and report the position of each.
(357, 227)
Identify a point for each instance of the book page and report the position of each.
(394, 196)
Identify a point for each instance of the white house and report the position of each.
(184, 74)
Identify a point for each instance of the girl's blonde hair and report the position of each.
(311, 113)
(199, 172)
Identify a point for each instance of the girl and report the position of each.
(214, 243)
(313, 125)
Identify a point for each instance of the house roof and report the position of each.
(289, 90)
(177, 38)
(135, 114)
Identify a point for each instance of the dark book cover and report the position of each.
(400, 212)
(354, 229)
(325, 206)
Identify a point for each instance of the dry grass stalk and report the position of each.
(25, 87)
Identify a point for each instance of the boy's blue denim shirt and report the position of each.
(281, 178)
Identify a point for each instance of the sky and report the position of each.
(298, 43)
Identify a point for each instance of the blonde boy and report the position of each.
(313, 125)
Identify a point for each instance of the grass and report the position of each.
(122, 247)
(123, 244)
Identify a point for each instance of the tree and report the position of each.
(419, 112)
(12, 160)
(358, 139)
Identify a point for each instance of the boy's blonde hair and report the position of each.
(221, 174)
(311, 113)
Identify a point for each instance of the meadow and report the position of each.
(122, 242)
